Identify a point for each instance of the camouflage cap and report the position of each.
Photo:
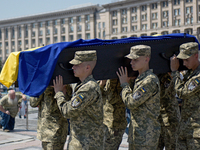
(83, 56)
(187, 50)
(139, 50)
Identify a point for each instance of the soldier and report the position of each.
(189, 91)
(114, 113)
(169, 113)
(143, 100)
(52, 127)
(85, 108)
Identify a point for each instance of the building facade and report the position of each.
(128, 18)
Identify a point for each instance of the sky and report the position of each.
(18, 8)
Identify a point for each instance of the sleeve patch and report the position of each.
(137, 94)
(143, 90)
(77, 101)
(193, 84)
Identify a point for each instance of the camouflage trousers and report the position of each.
(113, 138)
(167, 138)
(134, 147)
(189, 143)
(52, 146)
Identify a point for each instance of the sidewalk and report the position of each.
(26, 140)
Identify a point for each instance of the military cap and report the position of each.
(139, 50)
(187, 50)
(83, 56)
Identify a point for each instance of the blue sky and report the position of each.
(19, 8)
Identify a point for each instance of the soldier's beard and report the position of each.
(12, 101)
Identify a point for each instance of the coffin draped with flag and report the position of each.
(35, 69)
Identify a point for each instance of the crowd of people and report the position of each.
(97, 109)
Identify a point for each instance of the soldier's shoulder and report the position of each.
(151, 77)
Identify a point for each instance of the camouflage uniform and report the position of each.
(144, 104)
(114, 114)
(189, 91)
(85, 110)
(170, 113)
(52, 127)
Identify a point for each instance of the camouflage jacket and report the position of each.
(189, 91)
(13, 108)
(144, 104)
(52, 126)
(85, 110)
(169, 109)
(114, 108)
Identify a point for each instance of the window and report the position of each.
(55, 22)
(13, 33)
(188, 1)
(104, 34)
(55, 39)
(144, 17)
(134, 28)
(41, 33)
(48, 23)
(12, 50)
(124, 11)
(40, 41)
(189, 10)
(33, 25)
(19, 43)
(87, 18)
(87, 35)
(144, 7)
(0, 53)
(0, 34)
(134, 18)
(177, 12)
(55, 31)
(165, 4)
(164, 33)
(115, 22)
(115, 30)
(63, 30)
(134, 10)
(165, 23)
(71, 37)
(48, 31)
(189, 31)
(87, 26)
(71, 29)
(165, 14)
(26, 42)
(154, 15)
(177, 22)
(63, 38)
(33, 41)
(99, 35)
(154, 6)
(79, 36)
(176, 31)
(40, 24)
(47, 41)
(62, 21)
(124, 29)
(26, 32)
(7, 51)
(71, 20)
(103, 25)
(6, 44)
(6, 33)
(33, 33)
(144, 34)
(176, 2)
(79, 19)
(189, 21)
(13, 43)
(19, 32)
(79, 28)
(124, 20)
(114, 13)
(155, 25)
(0, 44)
(144, 26)
(99, 25)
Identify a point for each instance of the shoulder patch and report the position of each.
(76, 101)
(137, 94)
(193, 84)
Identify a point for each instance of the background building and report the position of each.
(128, 18)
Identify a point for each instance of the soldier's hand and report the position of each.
(174, 63)
(23, 97)
(123, 75)
(58, 84)
(7, 112)
(102, 83)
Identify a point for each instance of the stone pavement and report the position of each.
(22, 139)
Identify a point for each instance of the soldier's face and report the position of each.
(139, 63)
(79, 70)
(190, 62)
